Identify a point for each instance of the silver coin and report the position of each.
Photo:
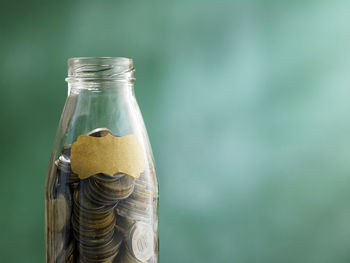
(99, 132)
(63, 164)
(141, 241)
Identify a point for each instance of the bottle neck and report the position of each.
(101, 88)
(100, 95)
(99, 71)
(100, 75)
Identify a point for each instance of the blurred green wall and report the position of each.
(247, 105)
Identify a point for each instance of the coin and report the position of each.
(67, 255)
(108, 190)
(99, 132)
(64, 170)
(126, 257)
(123, 224)
(135, 210)
(55, 246)
(118, 181)
(60, 214)
(93, 225)
(141, 241)
(105, 252)
(66, 151)
(139, 205)
(63, 165)
(70, 259)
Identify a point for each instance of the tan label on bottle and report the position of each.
(108, 155)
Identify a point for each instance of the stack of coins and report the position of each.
(134, 217)
(67, 255)
(94, 229)
(105, 253)
(60, 239)
(108, 190)
(123, 224)
(61, 211)
(139, 205)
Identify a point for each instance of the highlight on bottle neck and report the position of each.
(100, 69)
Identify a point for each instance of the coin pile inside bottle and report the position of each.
(109, 190)
(59, 234)
(106, 218)
(139, 205)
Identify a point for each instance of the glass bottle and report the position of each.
(101, 190)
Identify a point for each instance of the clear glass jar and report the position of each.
(102, 216)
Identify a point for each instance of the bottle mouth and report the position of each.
(96, 69)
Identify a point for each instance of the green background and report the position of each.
(247, 105)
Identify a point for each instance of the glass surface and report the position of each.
(102, 218)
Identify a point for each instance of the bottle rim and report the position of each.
(97, 69)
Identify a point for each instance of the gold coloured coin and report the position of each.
(60, 213)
